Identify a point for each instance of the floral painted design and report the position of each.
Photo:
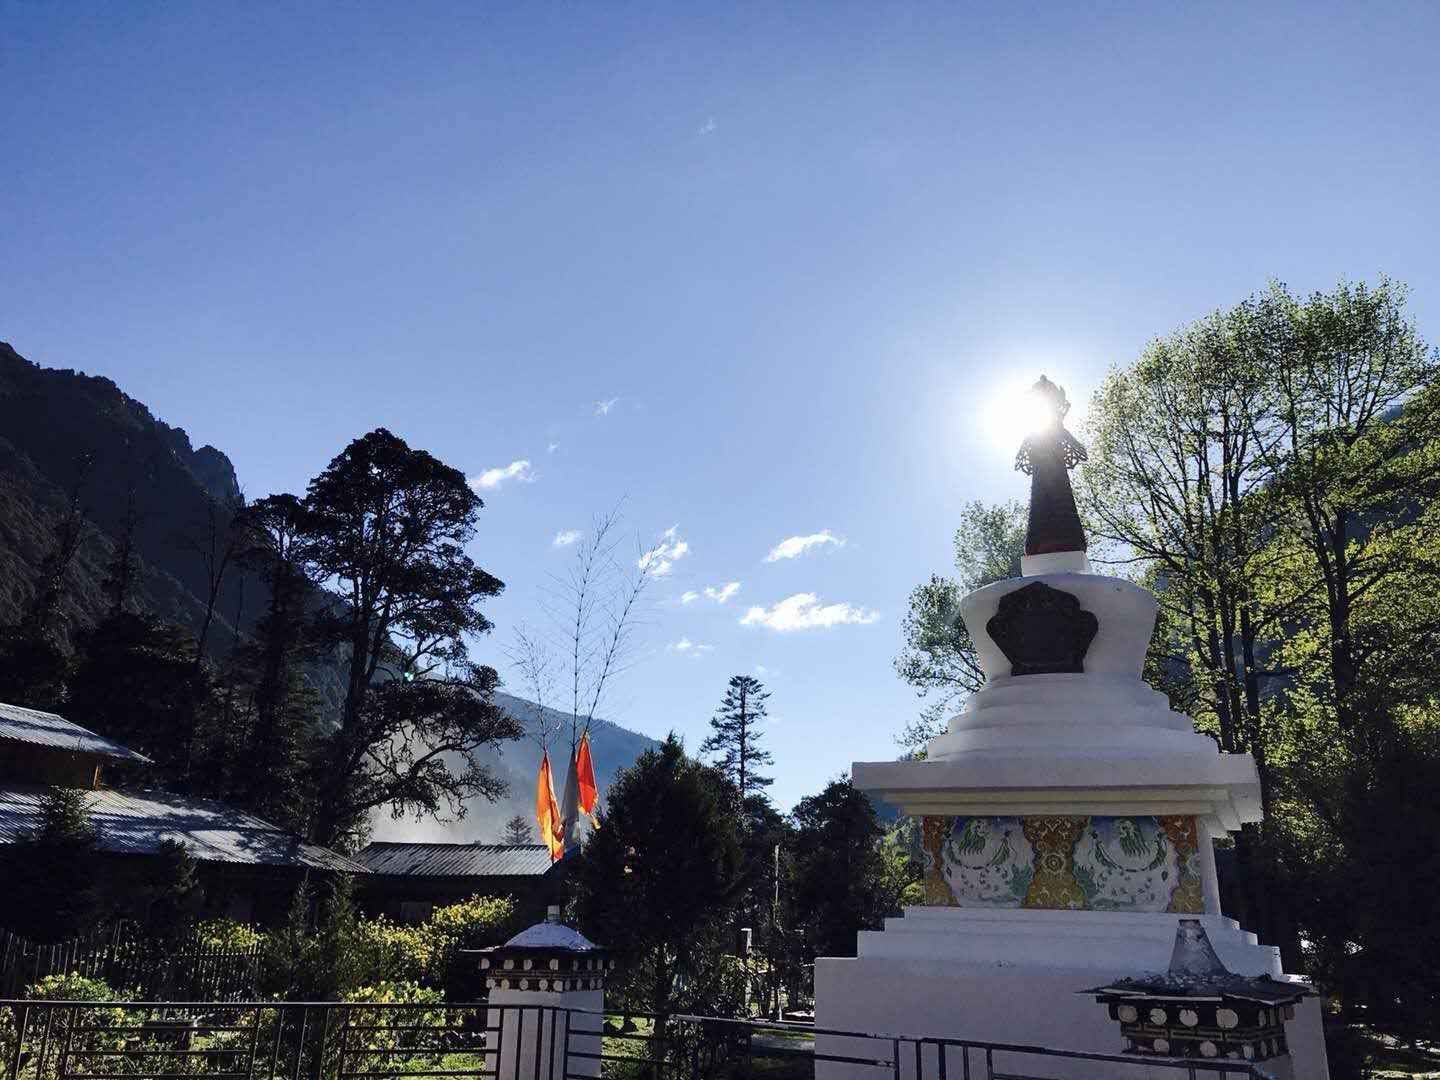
(1126, 864)
(988, 862)
(1090, 863)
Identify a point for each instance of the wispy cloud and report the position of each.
(718, 593)
(566, 537)
(661, 559)
(708, 127)
(804, 611)
(602, 408)
(792, 547)
(552, 447)
(721, 593)
(686, 647)
(491, 479)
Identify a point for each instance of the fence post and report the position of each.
(548, 970)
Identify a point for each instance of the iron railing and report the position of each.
(187, 969)
(44, 1040)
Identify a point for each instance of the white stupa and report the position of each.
(1068, 816)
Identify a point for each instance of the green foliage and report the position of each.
(228, 935)
(378, 1038)
(938, 658)
(50, 878)
(172, 893)
(518, 830)
(387, 527)
(345, 952)
(70, 987)
(735, 735)
(841, 879)
(476, 923)
(137, 682)
(1272, 471)
(426, 954)
(659, 881)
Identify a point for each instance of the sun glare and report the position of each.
(1013, 412)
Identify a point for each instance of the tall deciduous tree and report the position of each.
(386, 528)
(735, 736)
(1356, 461)
(1272, 472)
(938, 659)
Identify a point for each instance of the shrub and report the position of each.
(228, 935)
(71, 987)
(378, 1033)
(475, 923)
(391, 952)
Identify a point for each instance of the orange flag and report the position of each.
(589, 790)
(547, 814)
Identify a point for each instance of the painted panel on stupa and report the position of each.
(1067, 862)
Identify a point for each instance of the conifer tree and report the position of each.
(518, 831)
(735, 737)
(50, 877)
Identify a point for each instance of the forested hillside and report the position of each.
(106, 511)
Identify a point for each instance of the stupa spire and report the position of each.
(1047, 456)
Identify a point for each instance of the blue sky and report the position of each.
(800, 248)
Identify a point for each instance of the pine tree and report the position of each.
(518, 831)
(50, 878)
(736, 735)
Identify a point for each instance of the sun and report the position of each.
(1012, 412)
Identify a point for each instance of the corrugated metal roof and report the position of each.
(134, 823)
(19, 724)
(456, 860)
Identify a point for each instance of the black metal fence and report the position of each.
(42, 1040)
(188, 969)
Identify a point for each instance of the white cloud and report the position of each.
(721, 593)
(661, 559)
(707, 128)
(794, 546)
(689, 596)
(686, 647)
(804, 611)
(761, 669)
(552, 447)
(602, 408)
(491, 479)
(566, 537)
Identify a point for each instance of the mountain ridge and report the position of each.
(52, 420)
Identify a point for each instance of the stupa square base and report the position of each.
(1018, 977)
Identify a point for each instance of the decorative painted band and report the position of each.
(1073, 863)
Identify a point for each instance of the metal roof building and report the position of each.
(135, 823)
(35, 728)
(408, 881)
(456, 860)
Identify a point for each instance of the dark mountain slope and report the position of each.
(52, 419)
(59, 428)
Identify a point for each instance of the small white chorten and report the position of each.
(1068, 815)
